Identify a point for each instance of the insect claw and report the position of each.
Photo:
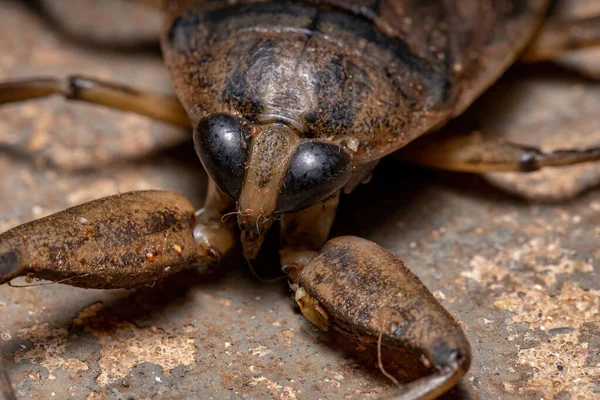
(9, 265)
(213, 240)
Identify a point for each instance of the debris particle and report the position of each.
(189, 329)
(225, 302)
(288, 333)
(35, 376)
(177, 249)
(439, 295)
(276, 390)
(560, 331)
(353, 144)
(260, 351)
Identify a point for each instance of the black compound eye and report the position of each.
(316, 171)
(222, 144)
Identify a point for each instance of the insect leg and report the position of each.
(304, 233)
(214, 233)
(366, 295)
(558, 36)
(122, 241)
(157, 106)
(355, 288)
(474, 153)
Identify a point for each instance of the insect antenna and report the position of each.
(237, 212)
(229, 214)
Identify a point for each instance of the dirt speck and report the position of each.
(275, 389)
(260, 351)
(288, 333)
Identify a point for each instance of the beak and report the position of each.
(254, 229)
(270, 151)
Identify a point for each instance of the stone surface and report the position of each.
(521, 276)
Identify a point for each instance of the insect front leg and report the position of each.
(213, 234)
(122, 241)
(304, 233)
(358, 290)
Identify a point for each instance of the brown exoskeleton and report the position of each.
(292, 102)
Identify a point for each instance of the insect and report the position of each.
(286, 114)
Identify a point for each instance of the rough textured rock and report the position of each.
(521, 277)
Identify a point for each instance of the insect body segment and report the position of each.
(315, 66)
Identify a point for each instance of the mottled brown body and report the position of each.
(379, 72)
(292, 102)
(358, 74)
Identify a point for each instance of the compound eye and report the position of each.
(316, 171)
(222, 143)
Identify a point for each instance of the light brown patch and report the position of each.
(484, 271)
(275, 389)
(48, 347)
(559, 362)
(125, 345)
